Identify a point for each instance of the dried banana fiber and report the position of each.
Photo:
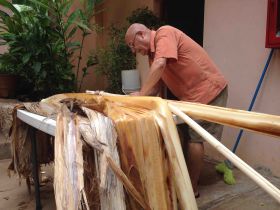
(69, 180)
(141, 122)
(68, 167)
(248, 120)
(99, 132)
(153, 166)
(253, 121)
(152, 162)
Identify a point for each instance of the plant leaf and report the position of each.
(3, 27)
(72, 19)
(37, 67)
(39, 3)
(83, 26)
(90, 6)
(66, 6)
(26, 58)
(73, 44)
(15, 49)
(4, 15)
(98, 2)
(83, 16)
(9, 6)
(22, 7)
(73, 49)
(72, 32)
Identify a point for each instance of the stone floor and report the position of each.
(214, 194)
(244, 195)
(15, 196)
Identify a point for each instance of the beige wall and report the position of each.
(234, 36)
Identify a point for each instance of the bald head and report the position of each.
(134, 29)
(142, 39)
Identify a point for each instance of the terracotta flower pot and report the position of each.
(7, 85)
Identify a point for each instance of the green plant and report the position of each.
(146, 17)
(41, 46)
(117, 56)
(6, 66)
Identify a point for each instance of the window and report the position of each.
(273, 24)
(278, 20)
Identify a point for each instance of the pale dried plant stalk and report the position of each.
(253, 121)
(68, 167)
(99, 132)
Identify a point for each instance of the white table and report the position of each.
(46, 125)
(39, 122)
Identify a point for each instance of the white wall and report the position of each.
(234, 36)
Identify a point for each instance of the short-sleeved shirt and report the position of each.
(190, 74)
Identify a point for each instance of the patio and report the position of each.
(240, 57)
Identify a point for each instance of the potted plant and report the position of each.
(116, 61)
(114, 58)
(42, 50)
(145, 16)
(8, 76)
(7, 80)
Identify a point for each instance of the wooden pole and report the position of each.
(249, 171)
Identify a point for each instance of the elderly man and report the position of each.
(186, 69)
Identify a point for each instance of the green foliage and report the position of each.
(41, 46)
(117, 56)
(20, 2)
(146, 17)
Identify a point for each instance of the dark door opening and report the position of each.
(186, 15)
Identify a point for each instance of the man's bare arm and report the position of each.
(153, 77)
(156, 89)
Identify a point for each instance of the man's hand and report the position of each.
(135, 94)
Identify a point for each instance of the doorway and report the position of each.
(187, 15)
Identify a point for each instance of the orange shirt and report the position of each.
(190, 74)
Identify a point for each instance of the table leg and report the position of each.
(35, 170)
